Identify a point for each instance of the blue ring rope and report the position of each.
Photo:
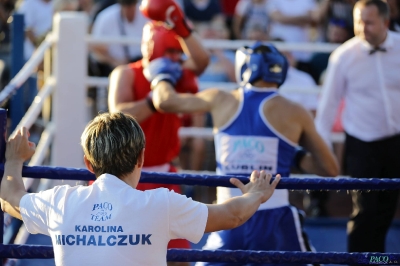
(222, 180)
(232, 256)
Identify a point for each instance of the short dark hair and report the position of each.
(112, 143)
(383, 7)
(127, 2)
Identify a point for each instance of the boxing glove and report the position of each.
(162, 69)
(169, 12)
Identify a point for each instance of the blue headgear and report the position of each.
(260, 61)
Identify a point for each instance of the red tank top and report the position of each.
(160, 129)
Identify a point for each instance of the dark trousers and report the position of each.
(373, 211)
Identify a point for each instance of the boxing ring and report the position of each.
(67, 83)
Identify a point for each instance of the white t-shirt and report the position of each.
(302, 80)
(109, 23)
(110, 223)
(291, 33)
(38, 17)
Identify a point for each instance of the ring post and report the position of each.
(17, 61)
(69, 110)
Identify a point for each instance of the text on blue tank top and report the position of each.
(241, 148)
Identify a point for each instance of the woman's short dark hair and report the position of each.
(112, 143)
(127, 2)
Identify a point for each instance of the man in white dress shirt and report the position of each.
(365, 72)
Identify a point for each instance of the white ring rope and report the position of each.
(28, 68)
(224, 44)
(227, 86)
(34, 110)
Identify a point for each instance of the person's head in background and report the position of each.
(128, 9)
(256, 32)
(65, 5)
(371, 21)
(86, 6)
(338, 31)
(212, 30)
(394, 7)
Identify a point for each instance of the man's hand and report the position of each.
(163, 69)
(260, 182)
(166, 11)
(19, 148)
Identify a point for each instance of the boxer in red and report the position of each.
(168, 35)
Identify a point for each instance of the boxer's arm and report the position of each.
(166, 99)
(121, 97)
(319, 159)
(198, 56)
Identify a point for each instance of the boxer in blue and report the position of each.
(255, 129)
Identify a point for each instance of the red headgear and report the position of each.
(157, 39)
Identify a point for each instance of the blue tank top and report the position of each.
(241, 148)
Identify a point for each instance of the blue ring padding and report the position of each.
(222, 180)
(237, 256)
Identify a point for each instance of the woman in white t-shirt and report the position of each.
(111, 222)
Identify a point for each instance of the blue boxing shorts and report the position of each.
(277, 229)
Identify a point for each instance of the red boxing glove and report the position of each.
(167, 11)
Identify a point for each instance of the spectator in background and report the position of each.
(90, 8)
(38, 18)
(6, 8)
(228, 9)
(299, 80)
(98, 7)
(119, 20)
(339, 10)
(292, 21)
(394, 7)
(203, 11)
(65, 5)
(364, 72)
(337, 33)
(251, 20)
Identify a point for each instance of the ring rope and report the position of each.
(231, 256)
(63, 173)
